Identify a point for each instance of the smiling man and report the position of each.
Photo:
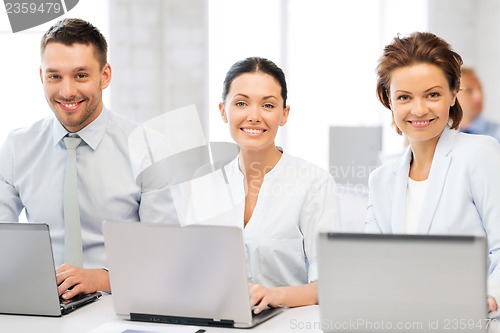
(35, 161)
(74, 89)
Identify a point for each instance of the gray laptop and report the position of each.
(402, 283)
(27, 275)
(193, 275)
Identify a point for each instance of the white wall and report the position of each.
(160, 56)
(472, 27)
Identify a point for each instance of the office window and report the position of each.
(328, 50)
(237, 30)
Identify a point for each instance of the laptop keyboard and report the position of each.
(74, 299)
(263, 312)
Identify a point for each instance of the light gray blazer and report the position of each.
(462, 198)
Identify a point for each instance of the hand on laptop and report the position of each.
(81, 281)
(262, 297)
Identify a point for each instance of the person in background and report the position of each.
(446, 182)
(74, 71)
(284, 199)
(471, 99)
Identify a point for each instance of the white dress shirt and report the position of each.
(32, 165)
(296, 199)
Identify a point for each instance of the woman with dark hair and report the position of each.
(446, 182)
(284, 199)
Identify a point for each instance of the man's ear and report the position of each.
(106, 76)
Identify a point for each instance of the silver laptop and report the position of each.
(28, 282)
(402, 283)
(193, 275)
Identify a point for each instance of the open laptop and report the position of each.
(402, 283)
(193, 275)
(28, 282)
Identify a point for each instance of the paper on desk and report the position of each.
(128, 327)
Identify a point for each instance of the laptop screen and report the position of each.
(192, 275)
(28, 282)
(405, 281)
(27, 276)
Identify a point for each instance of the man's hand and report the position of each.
(72, 280)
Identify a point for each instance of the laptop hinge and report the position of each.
(181, 320)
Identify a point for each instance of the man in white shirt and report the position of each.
(74, 72)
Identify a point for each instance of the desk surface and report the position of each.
(95, 315)
(100, 315)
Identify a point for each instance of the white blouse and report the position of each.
(295, 200)
(414, 201)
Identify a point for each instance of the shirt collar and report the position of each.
(275, 169)
(444, 147)
(92, 134)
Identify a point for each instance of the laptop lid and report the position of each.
(194, 275)
(402, 283)
(28, 282)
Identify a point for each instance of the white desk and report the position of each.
(93, 316)
(100, 312)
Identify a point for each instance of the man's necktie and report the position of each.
(73, 253)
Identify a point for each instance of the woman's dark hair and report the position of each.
(252, 65)
(76, 31)
(416, 48)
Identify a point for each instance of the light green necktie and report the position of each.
(73, 253)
